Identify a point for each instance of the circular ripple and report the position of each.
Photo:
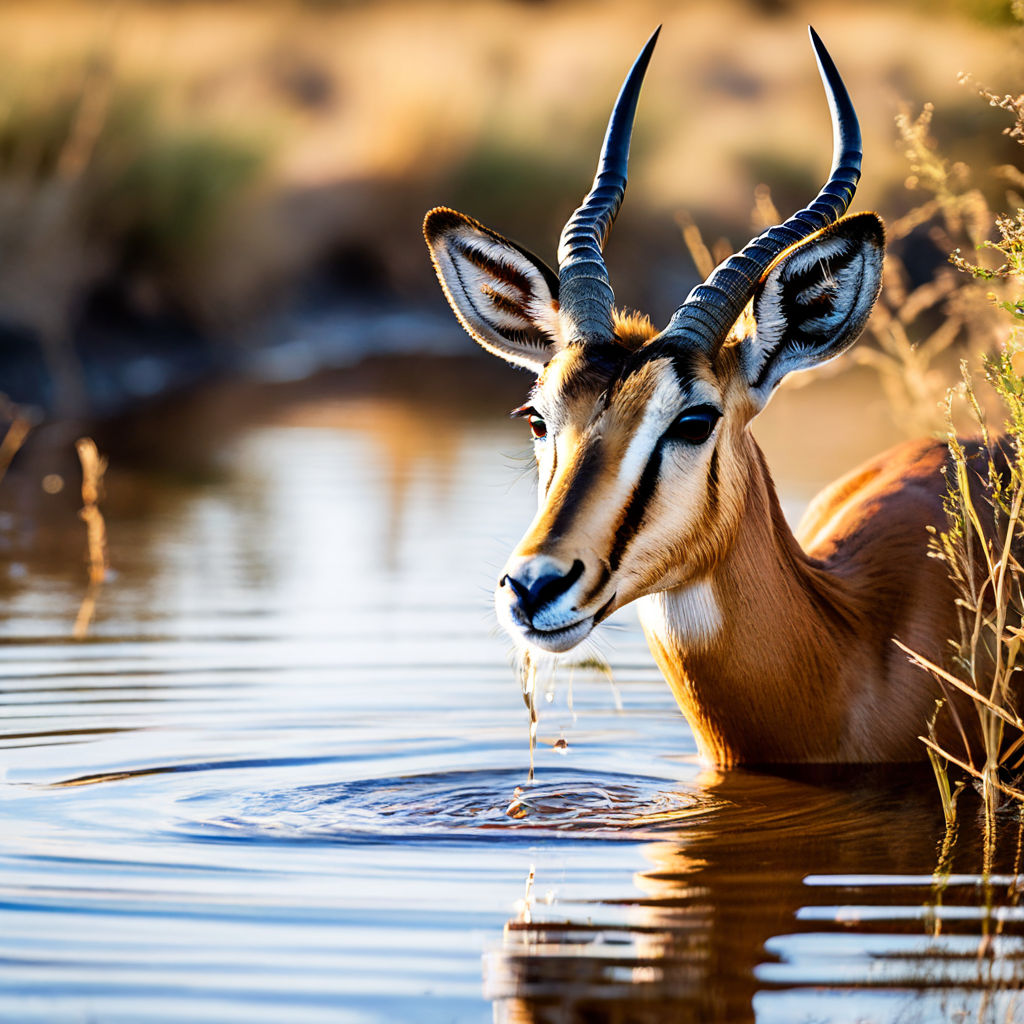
(459, 805)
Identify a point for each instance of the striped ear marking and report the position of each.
(814, 300)
(504, 296)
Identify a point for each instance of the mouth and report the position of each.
(555, 641)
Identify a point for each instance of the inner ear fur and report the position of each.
(814, 300)
(504, 295)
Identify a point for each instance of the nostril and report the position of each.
(543, 589)
(521, 590)
(547, 588)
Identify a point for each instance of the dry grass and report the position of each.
(921, 330)
(233, 109)
(983, 542)
(93, 468)
(18, 428)
(982, 549)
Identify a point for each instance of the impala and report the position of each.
(652, 489)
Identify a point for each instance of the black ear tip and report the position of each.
(441, 219)
(871, 226)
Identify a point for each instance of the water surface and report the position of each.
(285, 776)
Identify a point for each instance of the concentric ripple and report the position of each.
(455, 805)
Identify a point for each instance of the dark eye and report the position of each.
(538, 427)
(695, 425)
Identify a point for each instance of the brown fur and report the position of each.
(632, 329)
(804, 668)
(776, 651)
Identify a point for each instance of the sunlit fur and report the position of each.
(776, 651)
(631, 328)
(773, 652)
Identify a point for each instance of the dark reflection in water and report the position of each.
(800, 899)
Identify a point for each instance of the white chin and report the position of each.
(555, 641)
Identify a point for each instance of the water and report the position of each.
(285, 778)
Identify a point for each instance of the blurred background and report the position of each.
(195, 188)
(210, 216)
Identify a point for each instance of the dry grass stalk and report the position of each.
(916, 330)
(695, 244)
(705, 258)
(93, 468)
(982, 542)
(86, 611)
(982, 549)
(13, 439)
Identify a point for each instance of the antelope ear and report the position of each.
(502, 294)
(814, 301)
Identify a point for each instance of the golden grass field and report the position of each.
(209, 156)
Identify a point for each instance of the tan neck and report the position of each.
(759, 654)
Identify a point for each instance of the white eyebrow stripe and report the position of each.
(659, 410)
(665, 404)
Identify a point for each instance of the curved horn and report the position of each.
(710, 310)
(584, 292)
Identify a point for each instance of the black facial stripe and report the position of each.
(602, 579)
(593, 376)
(603, 610)
(685, 363)
(605, 358)
(582, 475)
(713, 485)
(636, 507)
(554, 466)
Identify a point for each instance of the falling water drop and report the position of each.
(549, 685)
(529, 681)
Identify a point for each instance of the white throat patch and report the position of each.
(688, 617)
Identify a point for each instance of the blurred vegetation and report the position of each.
(205, 164)
(93, 166)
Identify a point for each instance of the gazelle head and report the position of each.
(640, 437)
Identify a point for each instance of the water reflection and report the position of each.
(457, 806)
(275, 782)
(796, 895)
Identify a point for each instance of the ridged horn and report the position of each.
(709, 311)
(584, 292)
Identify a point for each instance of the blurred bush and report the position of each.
(98, 175)
(180, 170)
